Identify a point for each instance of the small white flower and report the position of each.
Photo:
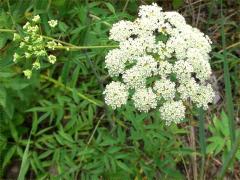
(22, 44)
(134, 77)
(116, 94)
(27, 73)
(175, 19)
(16, 37)
(36, 19)
(32, 29)
(115, 62)
(151, 17)
(203, 96)
(51, 45)
(26, 26)
(27, 55)
(188, 90)
(172, 111)
(15, 57)
(183, 70)
(121, 30)
(26, 38)
(40, 53)
(36, 65)
(39, 40)
(164, 69)
(165, 89)
(53, 23)
(199, 63)
(147, 64)
(144, 99)
(163, 51)
(52, 59)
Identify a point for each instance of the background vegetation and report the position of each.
(56, 126)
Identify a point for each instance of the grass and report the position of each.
(227, 81)
(25, 161)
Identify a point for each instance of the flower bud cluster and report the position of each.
(161, 63)
(32, 46)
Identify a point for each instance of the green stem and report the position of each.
(59, 41)
(227, 82)
(85, 47)
(71, 90)
(8, 30)
(68, 46)
(230, 46)
(98, 18)
(202, 141)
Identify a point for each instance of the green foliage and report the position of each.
(177, 3)
(220, 141)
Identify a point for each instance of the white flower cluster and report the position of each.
(116, 94)
(53, 23)
(32, 45)
(161, 62)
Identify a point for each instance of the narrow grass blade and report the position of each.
(202, 140)
(25, 161)
(227, 82)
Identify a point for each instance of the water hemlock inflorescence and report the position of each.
(161, 63)
(33, 47)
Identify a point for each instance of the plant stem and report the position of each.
(227, 82)
(8, 30)
(98, 18)
(202, 141)
(125, 6)
(71, 90)
(68, 46)
(85, 47)
(194, 158)
(230, 46)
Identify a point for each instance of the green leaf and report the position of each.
(25, 162)
(62, 26)
(3, 97)
(123, 166)
(177, 3)
(59, 2)
(224, 125)
(34, 123)
(9, 109)
(13, 130)
(9, 155)
(211, 148)
(66, 136)
(110, 7)
(3, 40)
